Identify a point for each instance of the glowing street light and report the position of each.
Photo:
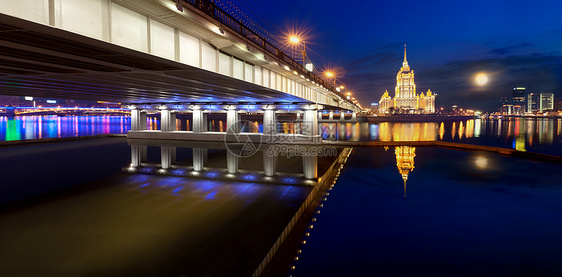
(295, 40)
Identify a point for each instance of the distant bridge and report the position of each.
(62, 111)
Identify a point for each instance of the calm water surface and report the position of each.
(541, 135)
(457, 214)
(78, 208)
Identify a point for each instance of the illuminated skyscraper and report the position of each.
(532, 102)
(385, 103)
(518, 100)
(546, 101)
(405, 91)
(405, 98)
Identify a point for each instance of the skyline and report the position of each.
(516, 44)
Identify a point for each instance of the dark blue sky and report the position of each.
(517, 43)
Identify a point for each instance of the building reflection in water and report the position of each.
(426, 131)
(497, 132)
(405, 161)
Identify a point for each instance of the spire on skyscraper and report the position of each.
(405, 62)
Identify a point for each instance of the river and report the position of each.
(123, 207)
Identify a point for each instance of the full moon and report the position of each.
(481, 79)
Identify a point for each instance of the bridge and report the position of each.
(158, 55)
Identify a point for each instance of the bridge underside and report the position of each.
(41, 61)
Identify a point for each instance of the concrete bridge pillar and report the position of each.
(138, 155)
(136, 121)
(319, 115)
(298, 116)
(342, 115)
(232, 161)
(205, 126)
(310, 122)
(199, 158)
(354, 116)
(142, 120)
(232, 120)
(269, 121)
(269, 164)
(167, 119)
(331, 115)
(310, 167)
(168, 156)
(199, 120)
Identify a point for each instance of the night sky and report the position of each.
(517, 43)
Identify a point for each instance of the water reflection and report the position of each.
(183, 210)
(405, 161)
(218, 163)
(269, 163)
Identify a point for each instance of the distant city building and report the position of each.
(518, 100)
(531, 102)
(405, 98)
(546, 101)
(374, 107)
(504, 106)
(503, 101)
(385, 103)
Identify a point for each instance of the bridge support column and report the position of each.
(298, 116)
(232, 161)
(138, 155)
(137, 119)
(354, 116)
(168, 156)
(142, 120)
(205, 126)
(232, 120)
(319, 115)
(310, 122)
(199, 158)
(310, 167)
(269, 164)
(331, 115)
(269, 121)
(167, 119)
(342, 115)
(199, 120)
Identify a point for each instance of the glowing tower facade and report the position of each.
(405, 98)
(405, 90)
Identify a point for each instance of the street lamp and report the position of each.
(296, 40)
(330, 74)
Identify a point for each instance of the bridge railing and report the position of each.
(212, 10)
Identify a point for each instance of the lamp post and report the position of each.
(295, 41)
(331, 75)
